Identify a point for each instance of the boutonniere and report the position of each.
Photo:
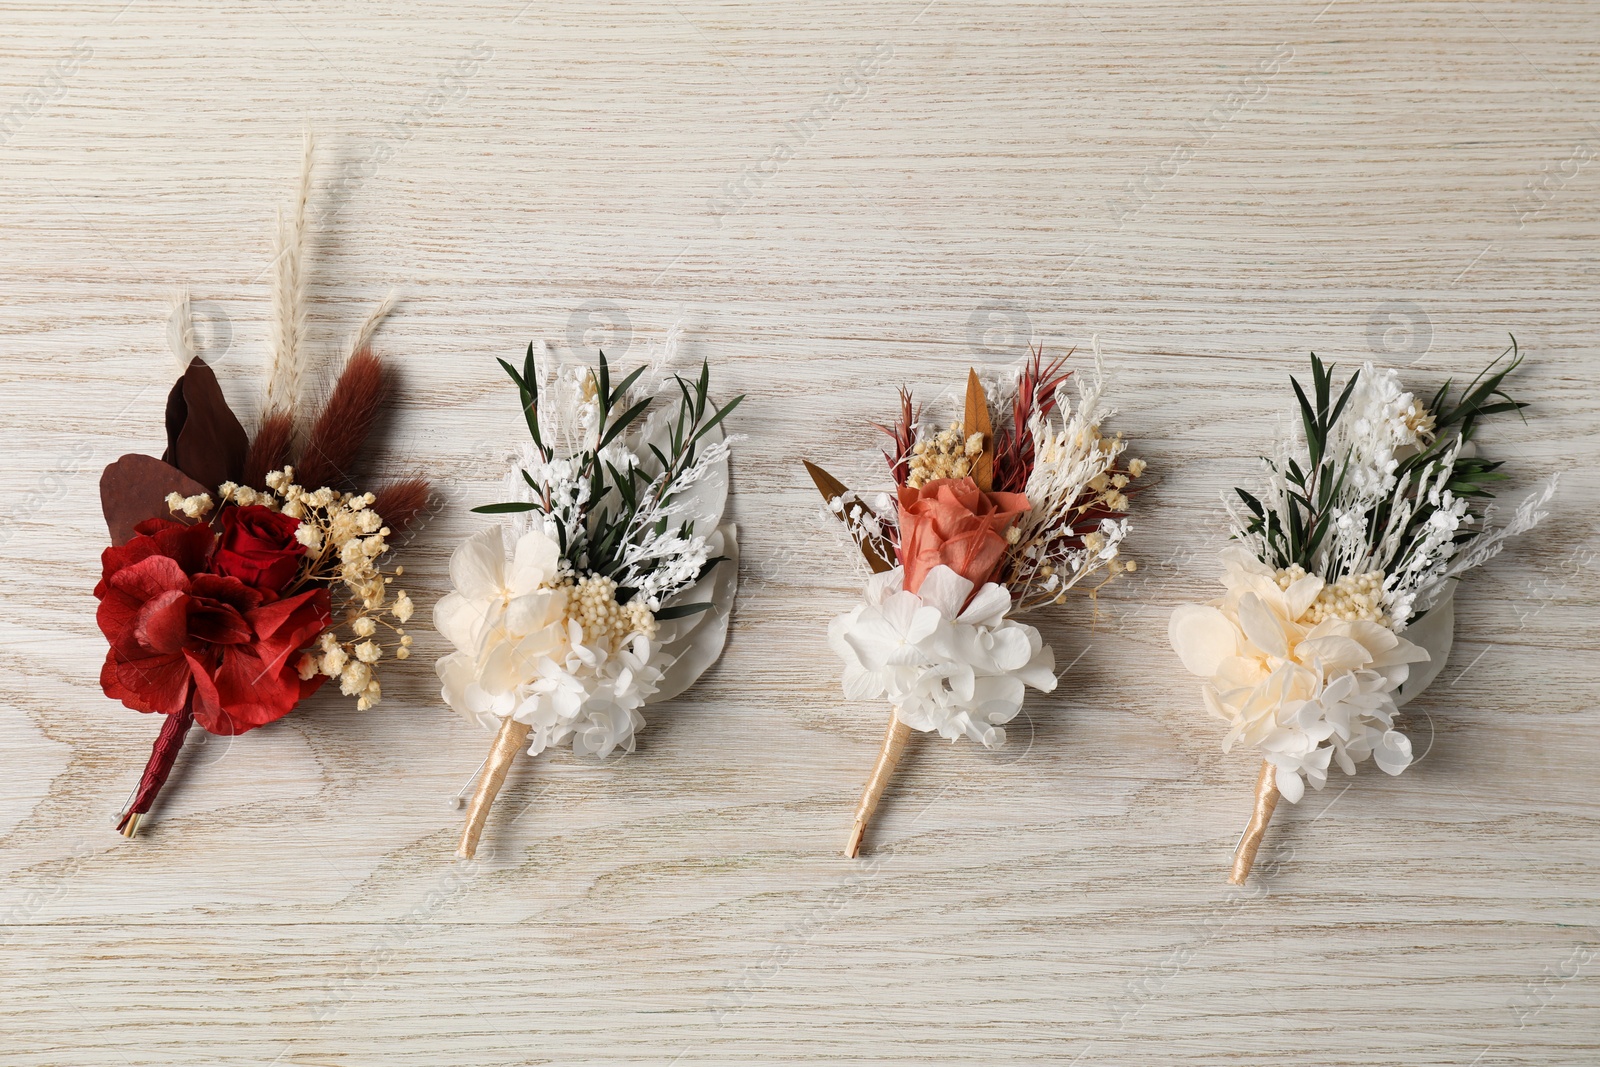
(1004, 511)
(1339, 593)
(246, 570)
(612, 588)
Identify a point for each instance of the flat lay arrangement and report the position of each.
(726, 534)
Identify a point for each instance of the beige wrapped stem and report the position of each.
(512, 736)
(1244, 857)
(894, 746)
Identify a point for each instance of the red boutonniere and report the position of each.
(220, 591)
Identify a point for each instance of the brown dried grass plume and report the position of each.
(269, 450)
(345, 423)
(400, 503)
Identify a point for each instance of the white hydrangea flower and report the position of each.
(519, 656)
(1305, 695)
(944, 664)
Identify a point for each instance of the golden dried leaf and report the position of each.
(977, 421)
(831, 488)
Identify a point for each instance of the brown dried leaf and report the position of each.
(135, 488)
(204, 438)
(830, 488)
(977, 421)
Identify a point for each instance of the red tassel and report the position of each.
(163, 754)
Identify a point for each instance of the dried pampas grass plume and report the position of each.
(289, 294)
(180, 329)
(363, 337)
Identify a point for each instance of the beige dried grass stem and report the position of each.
(289, 294)
(180, 335)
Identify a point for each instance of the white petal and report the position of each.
(1289, 785)
(944, 589)
(477, 567)
(1262, 626)
(988, 607)
(1203, 637)
(536, 561)
(1392, 754)
(1041, 670)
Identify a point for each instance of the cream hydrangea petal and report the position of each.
(1289, 784)
(536, 562)
(1300, 595)
(535, 611)
(461, 621)
(1262, 626)
(1203, 637)
(1334, 652)
(477, 566)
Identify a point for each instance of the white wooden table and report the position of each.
(835, 198)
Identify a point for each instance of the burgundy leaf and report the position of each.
(135, 488)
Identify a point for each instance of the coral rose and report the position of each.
(953, 523)
(257, 546)
(180, 635)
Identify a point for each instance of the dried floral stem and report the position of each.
(512, 736)
(289, 294)
(163, 754)
(1244, 857)
(895, 740)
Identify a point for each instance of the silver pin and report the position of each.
(461, 797)
(117, 818)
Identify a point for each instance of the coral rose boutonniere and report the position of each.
(1000, 513)
(612, 588)
(1338, 604)
(233, 590)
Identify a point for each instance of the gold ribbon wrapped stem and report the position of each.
(1244, 857)
(512, 736)
(894, 746)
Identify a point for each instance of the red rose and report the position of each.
(951, 522)
(182, 636)
(258, 547)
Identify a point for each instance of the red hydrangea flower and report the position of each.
(180, 635)
(257, 546)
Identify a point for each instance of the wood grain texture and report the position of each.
(1212, 189)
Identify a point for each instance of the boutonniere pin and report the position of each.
(612, 587)
(246, 570)
(1339, 592)
(1006, 510)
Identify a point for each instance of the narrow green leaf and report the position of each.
(624, 420)
(718, 417)
(508, 508)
